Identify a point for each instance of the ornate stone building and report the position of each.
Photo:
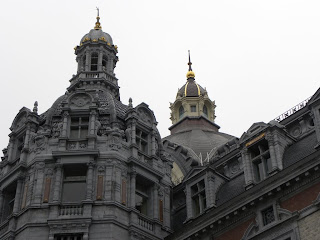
(91, 167)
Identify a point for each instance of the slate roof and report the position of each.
(299, 150)
(231, 189)
(200, 141)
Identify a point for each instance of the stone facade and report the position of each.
(92, 167)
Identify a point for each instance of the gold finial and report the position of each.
(98, 25)
(190, 73)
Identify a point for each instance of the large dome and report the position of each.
(200, 141)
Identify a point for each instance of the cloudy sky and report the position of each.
(256, 58)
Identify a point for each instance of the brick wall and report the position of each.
(302, 199)
(235, 233)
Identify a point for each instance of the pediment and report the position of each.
(20, 119)
(193, 172)
(254, 129)
(145, 114)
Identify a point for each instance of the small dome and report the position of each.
(97, 34)
(191, 89)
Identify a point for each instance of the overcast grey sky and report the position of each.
(256, 58)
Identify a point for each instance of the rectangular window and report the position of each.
(74, 183)
(68, 237)
(142, 141)
(9, 194)
(142, 197)
(193, 108)
(198, 195)
(268, 216)
(261, 160)
(79, 127)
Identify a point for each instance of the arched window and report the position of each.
(181, 111)
(104, 62)
(205, 110)
(94, 62)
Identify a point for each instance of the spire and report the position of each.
(189, 63)
(97, 26)
(190, 73)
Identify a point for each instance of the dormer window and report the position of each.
(94, 62)
(79, 127)
(198, 195)
(261, 161)
(142, 141)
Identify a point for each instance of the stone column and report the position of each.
(153, 144)
(166, 208)
(156, 191)
(107, 191)
(247, 167)
(16, 205)
(272, 152)
(39, 183)
(110, 65)
(1, 204)
(88, 60)
(92, 122)
(100, 60)
(57, 183)
(27, 137)
(65, 124)
(133, 189)
(133, 133)
(89, 181)
(188, 202)
(117, 182)
(10, 149)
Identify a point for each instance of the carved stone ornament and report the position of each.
(144, 116)
(37, 141)
(80, 100)
(114, 141)
(104, 126)
(56, 128)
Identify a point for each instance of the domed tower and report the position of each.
(90, 167)
(193, 130)
(192, 105)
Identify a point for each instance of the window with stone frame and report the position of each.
(193, 108)
(268, 215)
(261, 161)
(79, 127)
(104, 63)
(142, 140)
(74, 183)
(143, 201)
(205, 110)
(8, 195)
(181, 111)
(68, 236)
(198, 196)
(94, 62)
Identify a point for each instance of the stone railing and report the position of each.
(77, 145)
(145, 223)
(4, 227)
(292, 110)
(70, 210)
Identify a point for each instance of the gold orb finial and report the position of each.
(190, 73)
